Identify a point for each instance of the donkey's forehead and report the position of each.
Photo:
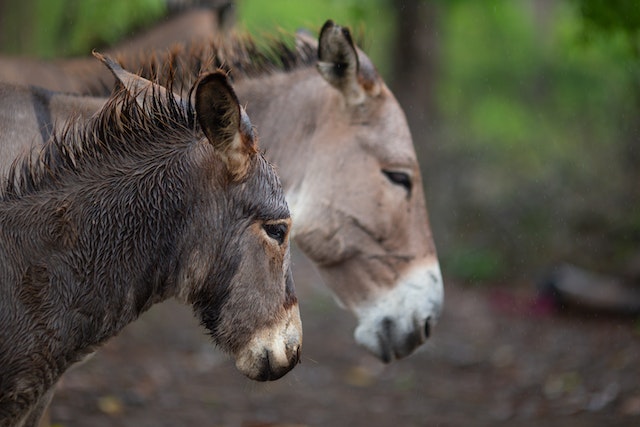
(265, 196)
(385, 133)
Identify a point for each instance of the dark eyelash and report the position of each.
(276, 231)
(399, 178)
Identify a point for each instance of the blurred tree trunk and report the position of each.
(415, 62)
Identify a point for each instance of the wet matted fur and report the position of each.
(151, 198)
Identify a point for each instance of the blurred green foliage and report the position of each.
(533, 121)
(611, 16)
(49, 28)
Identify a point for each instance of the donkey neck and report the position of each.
(95, 253)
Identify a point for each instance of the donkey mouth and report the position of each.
(269, 366)
(269, 372)
(393, 345)
(272, 352)
(401, 319)
(394, 338)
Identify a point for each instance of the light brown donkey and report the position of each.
(345, 155)
(154, 197)
(351, 176)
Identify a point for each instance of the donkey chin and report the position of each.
(273, 351)
(399, 319)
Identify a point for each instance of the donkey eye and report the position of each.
(399, 178)
(276, 231)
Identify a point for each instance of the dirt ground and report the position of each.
(497, 358)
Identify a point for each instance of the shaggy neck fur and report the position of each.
(88, 231)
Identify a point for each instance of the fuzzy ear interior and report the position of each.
(339, 64)
(224, 123)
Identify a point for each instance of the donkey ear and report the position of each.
(138, 87)
(224, 122)
(340, 65)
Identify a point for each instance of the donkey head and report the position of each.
(254, 313)
(234, 254)
(366, 226)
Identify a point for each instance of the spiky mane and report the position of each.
(239, 55)
(121, 128)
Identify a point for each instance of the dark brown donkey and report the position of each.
(151, 198)
(344, 152)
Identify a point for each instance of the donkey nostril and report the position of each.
(385, 340)
(387, 326)
(427, 327)
(295, 358)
